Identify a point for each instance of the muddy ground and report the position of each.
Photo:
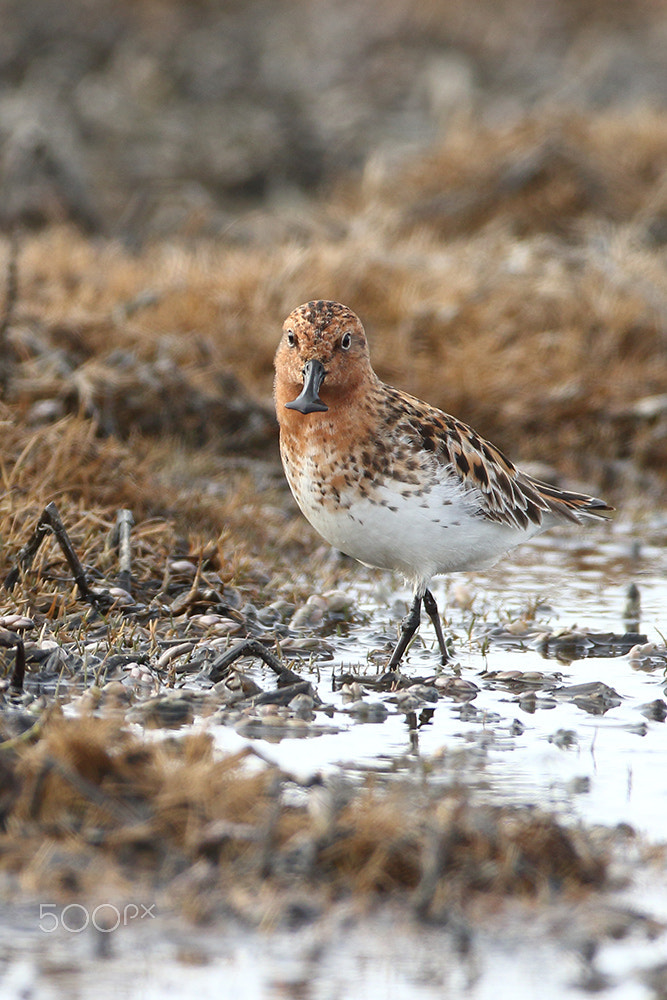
(487, 188)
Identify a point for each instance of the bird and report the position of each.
(393, 481)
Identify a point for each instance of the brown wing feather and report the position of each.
(568, 504)
(509, 496)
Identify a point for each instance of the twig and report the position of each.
(50, 522)
(10, 640)
(252, 647)
(11, 296)
(120, 537)
(283, 695)
(18, 673)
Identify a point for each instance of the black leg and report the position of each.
(409, 626)
(432, 612)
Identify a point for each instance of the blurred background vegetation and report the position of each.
(485, 184)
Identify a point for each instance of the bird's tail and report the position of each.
(571, 506)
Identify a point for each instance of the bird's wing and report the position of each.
(506, 495)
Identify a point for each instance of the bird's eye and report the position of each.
(346, 341)
(291, 339)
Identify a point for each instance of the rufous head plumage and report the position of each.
(322, 356)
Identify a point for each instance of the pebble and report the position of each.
(45, 646)
(88, 701)
(655, 710)
(279, 609)
(173, 653)
(217, 643)
(122, 598)
(529, 702)
(206, 621)
(456, 687)
(311, 613)
(217, 625)
(368, 711)
(579, 785)
(426, 692)
(516, 628)
(647, 656)
(223, 693)
(564, 739)
(182, 567)
(302, 701)
(319, 606)
(352, 692)
(268, 616)
(116, 691)
(16, 623)
(308, 644)
(233, 597)
(339, 602)
(238, 681)
(406, 702)
(274, 713)
(171, 709)
(140, 674)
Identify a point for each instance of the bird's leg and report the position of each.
(432, 612)
(409, 626)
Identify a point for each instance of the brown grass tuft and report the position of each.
(94, 799)
(514, 276)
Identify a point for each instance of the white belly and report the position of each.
(440, 531)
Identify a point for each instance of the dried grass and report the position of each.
(515, 276)
(90, 800)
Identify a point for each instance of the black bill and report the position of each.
(308, 400)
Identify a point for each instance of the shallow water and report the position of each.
(605, 768)
(518, 740)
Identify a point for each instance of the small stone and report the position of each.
(269, 716)
(406, 702)
(301, 701)
(206, 621)
(16, 623)
(116, 691)
(533, 676)
(564, 739)
(182, 567)
(427, 692)
(338, 602)
(456, 687)
(305, 616)
(656, 710)
(640, 650)
(352, 692)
